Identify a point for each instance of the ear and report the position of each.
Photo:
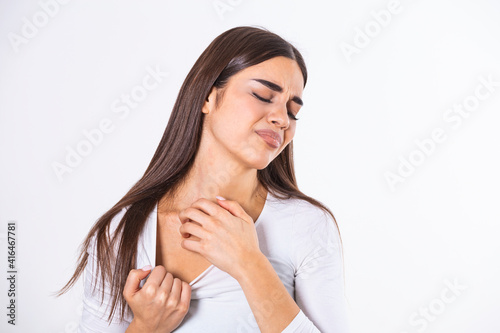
(209, 104)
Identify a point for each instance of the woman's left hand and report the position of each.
(226, 234)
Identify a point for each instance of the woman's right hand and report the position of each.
(161, 304)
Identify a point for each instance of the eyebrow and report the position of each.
(277, 88)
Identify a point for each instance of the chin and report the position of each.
(255, 157)
(263, 167)
(258, 163)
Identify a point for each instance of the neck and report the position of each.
(215, 173)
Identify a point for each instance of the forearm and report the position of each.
(271, 304)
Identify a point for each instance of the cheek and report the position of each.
(289, 134)
(233, 124)
(242, 112)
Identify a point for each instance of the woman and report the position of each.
(216, 236)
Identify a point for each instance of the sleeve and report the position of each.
(94, 314)
(319, 281)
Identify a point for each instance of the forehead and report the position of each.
(282, 71)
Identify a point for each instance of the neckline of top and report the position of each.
(257, 222)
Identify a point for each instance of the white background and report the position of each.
(362, 115)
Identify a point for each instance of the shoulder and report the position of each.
(312, 228)
(309, 218)
(302, 214)
(305, 221)
(315, 242)
(291, 205)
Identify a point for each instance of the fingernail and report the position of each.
(147, 268)
(220, 198)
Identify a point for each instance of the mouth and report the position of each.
(272, 138)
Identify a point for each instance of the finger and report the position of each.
(234, 208)
(208, 207)
(134, 279)
(175, 293)
(167, 282)
(192, 214)
(156, 277)
(185, 295)
(192, 245)
(192, 229)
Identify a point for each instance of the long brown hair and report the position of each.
(229, 53)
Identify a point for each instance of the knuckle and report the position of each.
(160, 269)
(183, 307)
(168, 280)
(150, 290)
(214, 220)
(132, 273)
(189, 210)
(162, 297)
(171, 304)
(202, 200)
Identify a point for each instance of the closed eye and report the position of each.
(291, 115)
(262, 99)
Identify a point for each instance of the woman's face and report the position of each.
(254, 120)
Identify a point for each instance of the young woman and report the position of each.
(216, 236)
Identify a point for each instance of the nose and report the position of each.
(279, 117)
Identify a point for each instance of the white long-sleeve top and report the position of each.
(300, 241)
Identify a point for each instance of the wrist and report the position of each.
(137, 326)
(255, 263)
(133, 327)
